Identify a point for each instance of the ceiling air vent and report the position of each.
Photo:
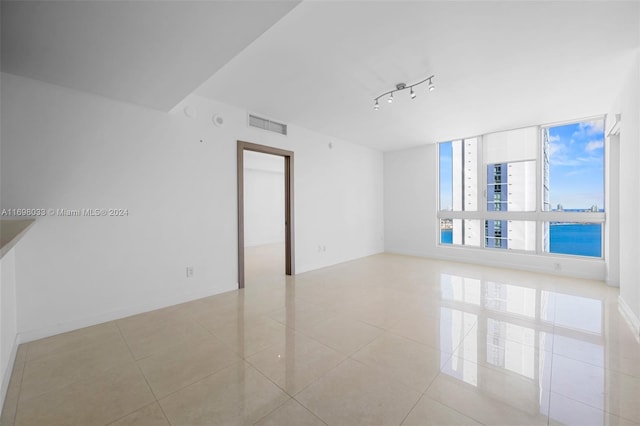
(263, 123)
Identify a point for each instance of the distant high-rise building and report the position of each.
(560, 208)
(496, 234)
(497, 190)
(509, 188)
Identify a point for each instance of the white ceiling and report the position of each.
(498, 65)
(319, 64)
(152, 53)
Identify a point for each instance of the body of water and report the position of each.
(582, 239)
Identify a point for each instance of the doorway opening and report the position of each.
(247, 149)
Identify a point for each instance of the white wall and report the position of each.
(8, 328)
(263, 199)
(628, 105)
(410, 201)
(177, 178)
(411, 223)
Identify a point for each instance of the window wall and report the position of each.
(538, 189)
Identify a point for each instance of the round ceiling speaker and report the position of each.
(217, 120)
(189, 111)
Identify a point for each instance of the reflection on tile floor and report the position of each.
(383, 340)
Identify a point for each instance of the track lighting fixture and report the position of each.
(403, 86)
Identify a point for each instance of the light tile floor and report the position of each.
(384, 340)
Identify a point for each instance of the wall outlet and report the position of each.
(189, 271)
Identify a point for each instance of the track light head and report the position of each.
(402, 86)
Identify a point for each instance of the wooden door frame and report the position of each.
(288, 205)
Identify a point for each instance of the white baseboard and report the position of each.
(630, 317)
(302, 267)
(506, 260)
(8, 370)
(30, 335)
(612, 283)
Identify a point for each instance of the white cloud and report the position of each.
(555, 148)
(554, 138)
(589, 128)
(564, 161)
(593, 127)
(592, 160)
(593, 145)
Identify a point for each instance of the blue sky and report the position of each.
(446, 173)
(576, 174)
(576, 165)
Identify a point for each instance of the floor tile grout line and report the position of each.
(551, 374)
(553, 344)
(308, 409)
(594, 407)
(206, 329)
(273, 411)
(164, 413)
(267, 377)
(275, 384)
(302, 335)
(137, 364)
(605, 369)
(200, 379)
(307, 335)
(397, 382)
(312, 383)
(411, 409)
(424, 395)
(155, 397)
(235, 321)
(310, 412)
(380, 369)
(131, 412)
(416, 341)
(133, 357)
(242, 360)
